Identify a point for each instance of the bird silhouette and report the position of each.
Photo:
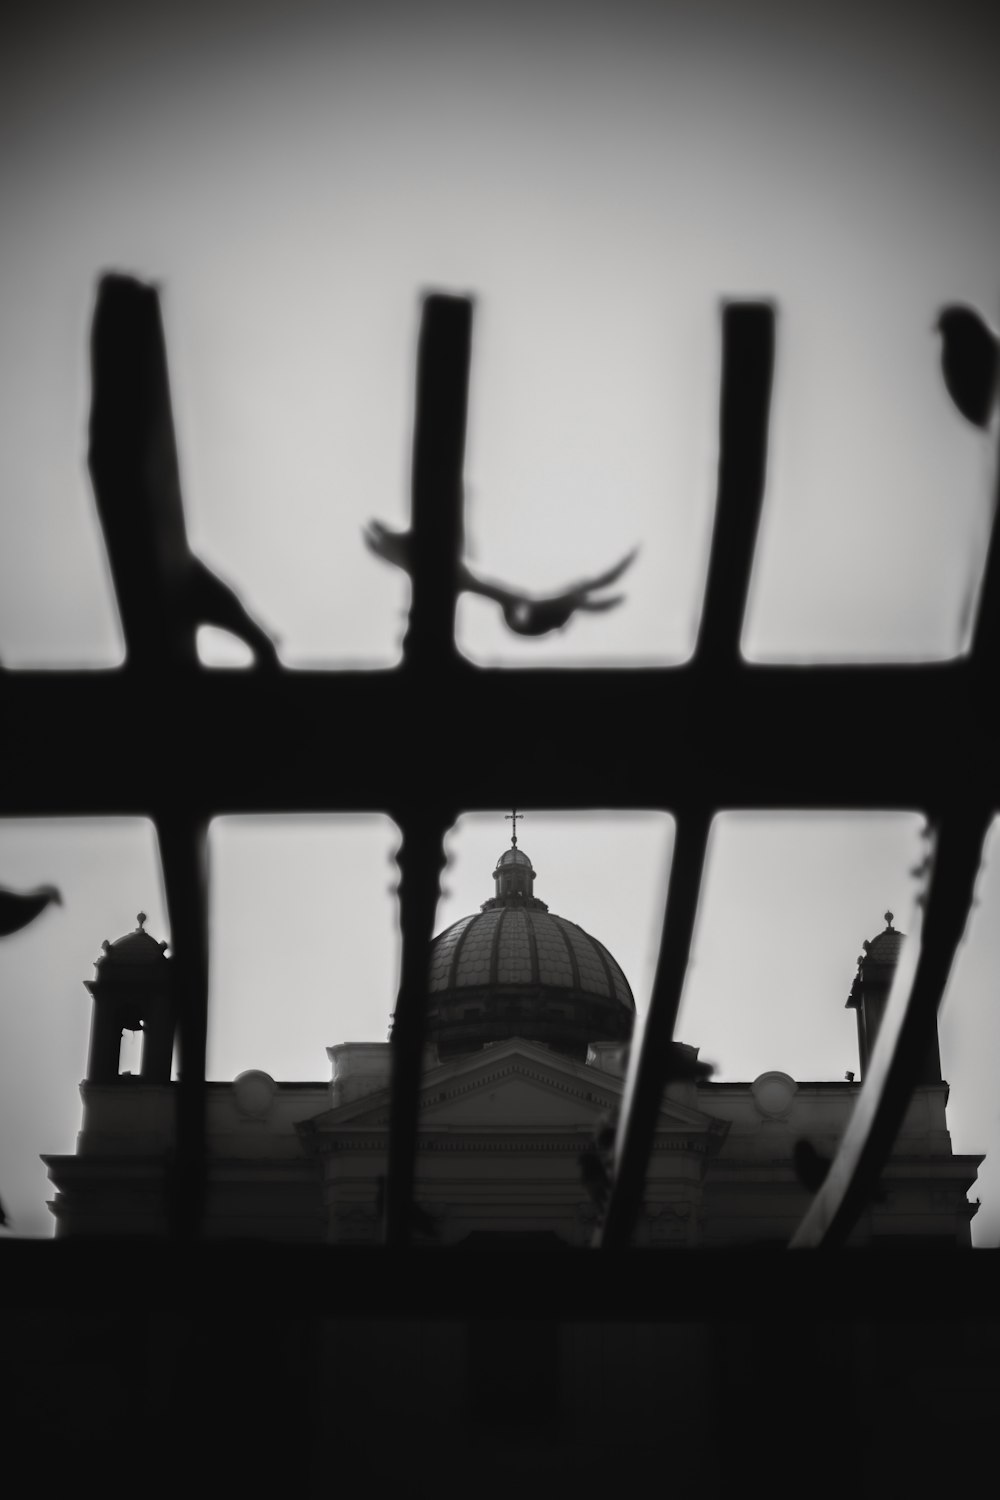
(19, 908)
(970, 361)
(523, 614)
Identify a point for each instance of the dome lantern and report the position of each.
(514, 879)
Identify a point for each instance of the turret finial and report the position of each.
(888, 921)
(512, 818)
(141, 918)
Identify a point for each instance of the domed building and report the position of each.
(529, 1019)
(516, 969)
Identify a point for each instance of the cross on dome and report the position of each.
(512, 818)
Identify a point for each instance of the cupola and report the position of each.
(870, 994)
(516, 969)
(131, 992)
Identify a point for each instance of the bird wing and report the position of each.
(19, 908)
(611, 576)
(524, 613)
(598, 604)
(391, 546)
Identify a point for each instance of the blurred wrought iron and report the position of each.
(739, 736)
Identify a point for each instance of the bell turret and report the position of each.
(131, 991)
(870, 994)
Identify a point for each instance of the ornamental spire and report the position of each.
(512, 818)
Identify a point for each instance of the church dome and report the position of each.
(516, 969)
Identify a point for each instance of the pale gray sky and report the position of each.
(598, 176)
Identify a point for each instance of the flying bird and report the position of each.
(19, 908)
(970, 362)
(523, 614)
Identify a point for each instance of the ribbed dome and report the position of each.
(516, 969)
(510, 946)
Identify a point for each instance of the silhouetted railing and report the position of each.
(738, 736)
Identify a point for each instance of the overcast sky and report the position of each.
(599, 177)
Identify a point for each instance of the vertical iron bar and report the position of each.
(183, 839)
(903, 1038)
(421, 859)
(136, 479)
(744, 415)
(441, 408)
(907, 1026)
(653, 1034)
(986, 632)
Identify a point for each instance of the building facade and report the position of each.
(528, 1027)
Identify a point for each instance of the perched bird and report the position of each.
(522, 613)
(18, 908)
(970, 361)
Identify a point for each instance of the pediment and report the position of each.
(516, 1085)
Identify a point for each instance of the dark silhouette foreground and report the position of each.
(164, 591)
(970, 362)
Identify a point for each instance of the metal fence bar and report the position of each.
(229, 742)
(183, 841)
(653, 1033)
(744, 417)
(778, 737)
(420, 858)
(959, 826)
(430, 656)
(747, 367)
(442, 395)
(902, 1041)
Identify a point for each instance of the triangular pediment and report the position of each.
(515, 1085)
